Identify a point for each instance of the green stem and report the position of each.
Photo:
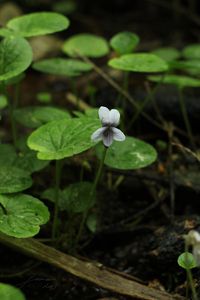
(93, 189)
(56, 206)
(190, 281)
(185, 118)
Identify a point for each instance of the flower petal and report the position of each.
(114, 117)
(98, 134)
(108, 137)
(104, 115)
(118, 134)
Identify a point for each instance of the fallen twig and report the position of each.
(91, 271)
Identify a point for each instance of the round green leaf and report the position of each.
(186, 261)
(192, 51)
(13, 179)
(76, 198)
(63, 138)
(167, 53)
(21, 215)
(15, 57)
(9, 292)
(35, 116)
(178, 80)
(61, 66)
(25, 159)
(190, 66)
(139, 62)
(128, 155)
(7, 155)
(86, 44)
(124, 42)
(3, 101)
(6, 32)
(44, 97)
(38, 23)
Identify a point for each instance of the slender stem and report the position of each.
(185, 118)
(190, 281)
(93, 189)
(56, 206)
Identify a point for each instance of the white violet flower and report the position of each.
(108, 132)
(193, 239)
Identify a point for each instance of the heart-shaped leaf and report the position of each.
(35, 116)
(38, 23)
(128, 155)
(192, 51)
(13, 179)
(86, 44)
(21, 215)
(76, 198)
(25, 159)
(15, 57)
(9, 292)
(139, 62)
(124, 42)
(63, 138)
(178, 80)
(167, 53)
(61, 66)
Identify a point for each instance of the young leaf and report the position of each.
(139, 62)
(61, 66)
(186, 261)
(192, 51)
(63, 138)
(86, 44)
(13, 179)
(38, 23)
(178, 80)
(15, 57)
(9, 292)
(124, 42)
(128, 155)
(167, 53)
(75, 198)
(21, 215)
(35, 116)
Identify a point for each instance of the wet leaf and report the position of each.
(61, 66)
(21, 215)
(38, 23)
(15, 57)
(63, 138)
(129, 154)
(13, 179)
(9, 292)
(35, 116)
(124, 42)
(139, 62)
(86, 44)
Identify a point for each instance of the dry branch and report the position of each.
(93, 272)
